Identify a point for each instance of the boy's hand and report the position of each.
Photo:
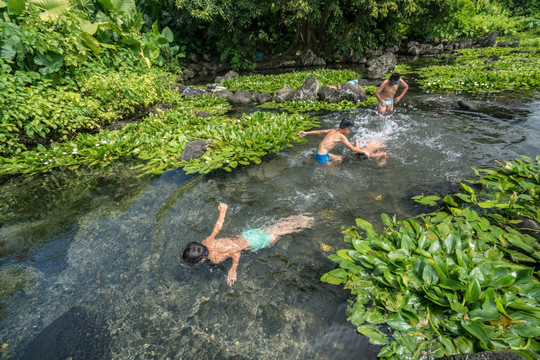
(231, 277)
(302, 133)
(222, 207)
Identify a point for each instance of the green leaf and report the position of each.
(448, 199)
(51, 8)
(386, 219)
(473, 291)
(430, 275)
(376, 337)
(427, 200)
(16, 7)
(467, 189)
(465, 345)
(450, 243)
(476, 330)
(397, 322)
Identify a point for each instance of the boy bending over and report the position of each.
(334, 137)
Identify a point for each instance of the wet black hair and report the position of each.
(346, 123)
(394, 77)
(194, 252)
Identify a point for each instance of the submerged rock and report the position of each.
(194, 149)
(272, 319)
(76, 334)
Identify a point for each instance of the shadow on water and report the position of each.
(95, 265)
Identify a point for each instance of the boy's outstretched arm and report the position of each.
(222, 208)
(304, 133)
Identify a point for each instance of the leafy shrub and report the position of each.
(450, 282)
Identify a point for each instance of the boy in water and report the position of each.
(334, 137)
(218, 250)
(385, 93)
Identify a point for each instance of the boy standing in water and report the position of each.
(334, 137)
(385, 93)
(218, 250)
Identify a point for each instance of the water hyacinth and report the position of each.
(450, 282)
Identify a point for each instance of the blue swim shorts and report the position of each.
(256, 238)
(322, 158)
(388, 102)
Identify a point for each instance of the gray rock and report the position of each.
(468, 105)
(489, 40)
(352, 92)
(224, 94)
(179, 87)
(308, 90)
(187, 74)
(531, 224)
(283, 95)
(307, 57)
(381, 66)
(203, 114)
(241, 97)
(261, 97)
(160, 107)
(329, 94)
(229, 75)
(319, 61)
(194, 149)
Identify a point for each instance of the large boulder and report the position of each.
(194, 149)
(224, 94)
(489, 40)
(307, 57)
(229, 75)
(329, 94)
(352, 92)
(241, 97)
(381, 65)
(308, 90)
(261, 97)
(283, 95)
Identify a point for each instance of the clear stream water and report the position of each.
(97, 253)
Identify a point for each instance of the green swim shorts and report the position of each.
(256, 238)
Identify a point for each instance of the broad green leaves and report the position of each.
(451, 283)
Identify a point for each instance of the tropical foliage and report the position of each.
(455, 281)
(486, 70)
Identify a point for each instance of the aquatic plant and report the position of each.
(272, 83)
(453, 281)
(485, 70)
(243, 141)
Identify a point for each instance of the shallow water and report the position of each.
(97, 255)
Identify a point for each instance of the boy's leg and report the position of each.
(288, 225)
(381, 107)
(336, 159)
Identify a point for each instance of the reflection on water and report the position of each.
(99, 266)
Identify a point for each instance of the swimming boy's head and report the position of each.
(346, 123)
(195, 253)
(394, 78)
